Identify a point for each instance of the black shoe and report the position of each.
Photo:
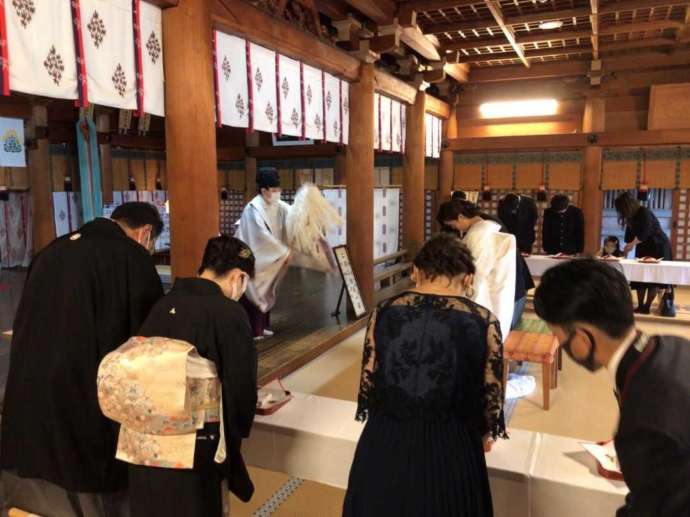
(645, 310)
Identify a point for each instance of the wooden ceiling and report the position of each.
(432, 40)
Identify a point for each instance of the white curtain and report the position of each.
(40, 43)
(386, 221)
(290, 96)
(337, 197)
(332, 101)
(345, 99)
(429, 135)
(313, 103)
(231, 70)
(396, 125)
(16, 245)
(386, 137)
(377, 122)
(151, 20)
(108, 40)
(262, 84)
(67, 211)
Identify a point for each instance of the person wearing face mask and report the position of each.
(185, 466)
(263, 227)
(85, 294)
(588, 306)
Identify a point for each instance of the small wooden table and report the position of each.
(534, 347)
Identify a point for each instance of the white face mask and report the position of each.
(275, 197)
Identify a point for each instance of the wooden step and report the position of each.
(392, 271)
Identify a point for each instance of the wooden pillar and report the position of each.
(413, 176)
(359, 180)
(190, 133)
(250, 168)
(40, 178)
(592, 203)
(103, 128)
(447, 168)
(340, 169)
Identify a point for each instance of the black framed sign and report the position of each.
(342, 257)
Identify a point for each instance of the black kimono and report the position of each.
(521, 223)
(85, 294)
(196, 311)
(653, 437)
(563, 232)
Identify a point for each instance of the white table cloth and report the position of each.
(532, 474)
(665, 272)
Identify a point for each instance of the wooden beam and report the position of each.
(458, 71)
(536, 71)
(359, 180)
(380, 11)
(625, 28)
(334, 9)
(594, 22)
(635, 5)
(40, 180)
(297, 151)
(574, 141)
(528, 54)
(447, 165)
(242, 19)
(455, 27)
(431, 5)
(394, 87)
(413, 176)
(414, 38)
(191, 164)
(495, 8)
(436, 107)
(544, 16)
(232, 154)
(164, 4)
(554, 36)
(471, 43)
(643, 43)
(592, 199)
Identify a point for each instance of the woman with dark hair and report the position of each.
(642, 232)
(611, 248)
(494, 253)
(183, 463)
(431, 393)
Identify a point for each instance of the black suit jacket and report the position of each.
(563, 233)
(521, 223)
(653, 438)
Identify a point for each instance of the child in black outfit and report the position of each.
(611, 248)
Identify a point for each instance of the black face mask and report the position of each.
(587, 362)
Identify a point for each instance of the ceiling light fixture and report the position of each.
(550, 25)
(526, 108)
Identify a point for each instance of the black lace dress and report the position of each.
(431, 388)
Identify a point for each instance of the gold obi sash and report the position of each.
(161, 392)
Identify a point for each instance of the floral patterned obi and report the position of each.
(161, 392)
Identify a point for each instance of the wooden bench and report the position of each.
(534, 347)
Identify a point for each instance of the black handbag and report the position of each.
(668, 307)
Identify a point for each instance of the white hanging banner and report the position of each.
(396, 125)
(12, 148)
(386, 137)
(429, 135)
(313, 102)
(67, 212)
(262, 86)
(289, 90)
(377, 122)
(345, 110)
(231, 73)
(403, 126)
(386, 221)
(108, 39)
(40, 42)
(332, 101)
(439, 136)
(151, 20)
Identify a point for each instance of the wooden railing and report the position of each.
(394, 278)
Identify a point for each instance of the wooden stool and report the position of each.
(534, 347)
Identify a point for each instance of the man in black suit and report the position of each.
(519, 214)
(589, 308)
(564, 228)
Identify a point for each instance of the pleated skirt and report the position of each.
(418, 468)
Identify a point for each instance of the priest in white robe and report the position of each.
(263, 228)
(494, 255)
